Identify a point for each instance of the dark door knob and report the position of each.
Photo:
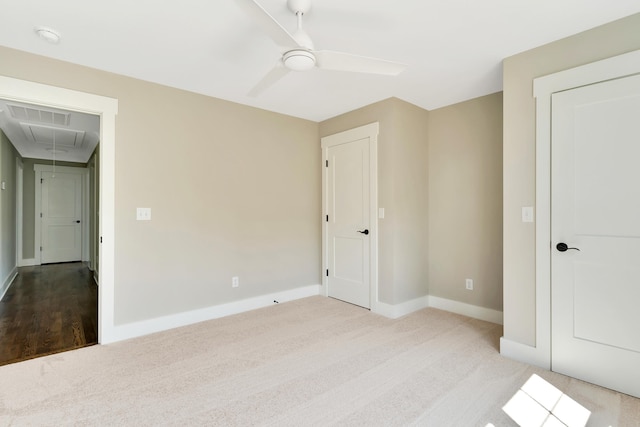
(364, 232)
(563, 247)
(77, 221)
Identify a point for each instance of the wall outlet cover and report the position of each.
(469, 284)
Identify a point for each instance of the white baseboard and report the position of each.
(398, 310)
(525, 353)
(474, 311)
(402, 309)
(26, 262)
(145, 327)
(8, 281)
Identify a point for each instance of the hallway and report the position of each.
(48, 309)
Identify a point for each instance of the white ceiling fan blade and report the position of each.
(339, 61)
(272, 77)
(269, 25)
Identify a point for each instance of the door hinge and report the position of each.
(41, 180)
(327, 272)
(327, 218)
(326, 163)
(40, 248)
(40, 214)
(100, 239)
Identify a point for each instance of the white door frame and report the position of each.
(19, 207)
(91, 177)
(543, 87)
(86, 219)
(107, 109)
(369, 131)
(84, 229)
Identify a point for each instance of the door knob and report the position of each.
(563, 247)
(77, 221)
(365, 232)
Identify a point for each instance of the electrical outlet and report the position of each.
(469, 284)
(235, 282)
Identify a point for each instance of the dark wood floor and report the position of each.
(48, 309)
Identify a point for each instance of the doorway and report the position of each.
(349, 223)
(51, 305)
(106, 109)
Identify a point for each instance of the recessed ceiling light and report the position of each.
(48, 34)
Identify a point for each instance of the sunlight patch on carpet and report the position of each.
(540, 404)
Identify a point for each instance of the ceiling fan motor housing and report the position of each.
(302, 6)
(299, 60)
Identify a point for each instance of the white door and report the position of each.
(61, 207)
(596, 210)
(348, 206)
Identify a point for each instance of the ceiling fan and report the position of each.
(298, 53)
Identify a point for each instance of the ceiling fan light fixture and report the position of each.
(299, 60)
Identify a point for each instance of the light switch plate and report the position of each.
(527, 214)
(143, 214)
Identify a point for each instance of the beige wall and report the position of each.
(234, 191)
(29, 204)
(409, 208)
(465, 201)
(519, 155)
(402, 191)
(7, 210)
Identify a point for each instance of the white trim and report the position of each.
(523, 353)
(543, 88)
(86, 225)
(83, 172)
(371, 132)
(606, 69)
(93, 240)
(476, 312)
(373, 213)
(398, 310)
(469, 310)
(145, 327)
(6, 284)
(107, 109)
(19, 192)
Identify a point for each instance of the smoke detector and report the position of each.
(48, 34)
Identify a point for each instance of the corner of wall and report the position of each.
(395, 311)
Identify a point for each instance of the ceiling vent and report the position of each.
(38, 115)
(46, 135)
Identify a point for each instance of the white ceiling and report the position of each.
(453, 48)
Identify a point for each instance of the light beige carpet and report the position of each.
(314, 362)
